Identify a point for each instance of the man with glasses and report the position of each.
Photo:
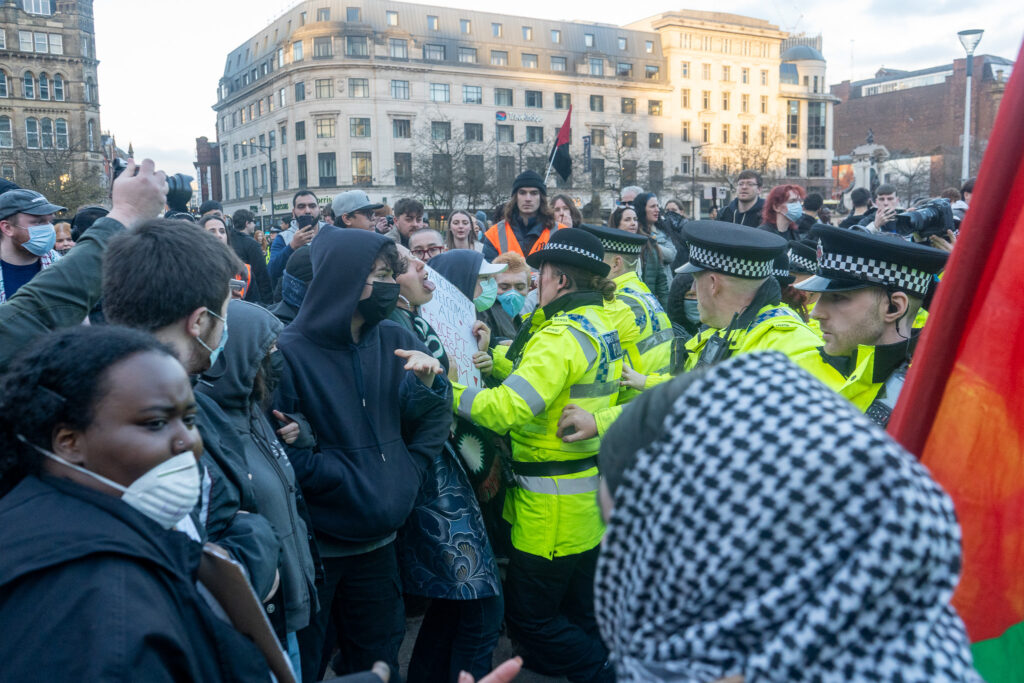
(353, 209)
(746, 208)
(425, 244)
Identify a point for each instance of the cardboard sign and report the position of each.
(452, 316)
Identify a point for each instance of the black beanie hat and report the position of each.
(529, 179)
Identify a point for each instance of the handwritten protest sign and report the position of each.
(452, 316)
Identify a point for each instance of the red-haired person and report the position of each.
(783, 208)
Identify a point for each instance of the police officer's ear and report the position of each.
(897, 307)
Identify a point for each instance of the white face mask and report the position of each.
(165, 494)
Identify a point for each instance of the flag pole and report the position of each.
(551, 164)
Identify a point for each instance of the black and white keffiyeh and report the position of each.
(744, 542)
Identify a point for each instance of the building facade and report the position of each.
(405, 99)
(207, 171)
(49, 103)
(918, 116)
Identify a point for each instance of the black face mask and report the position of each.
(305, 221)
(380, 304)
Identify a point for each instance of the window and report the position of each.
(534, 99)
(628, 172)
(353, 14)
(527, 33)
(624, 70)
(29, 87)
(726, 73)
(324, 14)
(44, 87)
(359, 87)
(440, 130)
(472, 94)
(362, 168)
(301, 170)
(327, 169)
(705, 132)
(764, 135)
(588, 39)
(656, 140)
(401, 128)
(38, 6)
(622, 43)
(41, 43)
(726, 101)
(398, 48)
(705, 72)
(325, 128)
(433, 23)
(300, 91)
(725, 133)
(596, 66)
(652, 73)
(649, 46)
(597, 137)
(25, 41)
(684, 69)
(284, 135)
(816, 168)
(3, 39)
(764, 77)
(322, 47)
(793, 168)
(235, 151)
(628, 105)
(503, 97)
(359, 128)
(32, 133)
(745, 75)
(272, 137)
(91, 135)
(705, 100)
(558, 64)
(684, 165)
(474, 166)
(441, 167)
(465, 26)
(597, 172)
(685, 98)
(506, 133)
(705, 166)
(529, 61)
(263, 176)
(300, 132)
(273, 176)
(297, 51)
(356, 46)
(403, 168)
(535, 134)
(324, 88)
(684, 131)
(391, 18)
(496, 30)
(815, 125)
(433, 53)
(745, 103)
(499, 58)
(629, 138)
(792, 123)
(597, 103)
(745, 135)
(6, 134)
(467, 55)
(440, 92)
(238, 185)
(282, 97)
(655, 175)
(556, 36)
(3, 85)
(764, 104)
(284, 174)
(654, 107)
(399, 90)
(563, 100)
(474, 132)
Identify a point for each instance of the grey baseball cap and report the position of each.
(25, 201)
(351, 201)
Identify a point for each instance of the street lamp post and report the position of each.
(969, 39)
(269, 151)
(694, 149)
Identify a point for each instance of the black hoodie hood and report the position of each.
(342, 262)
(461, 267)
(252, 330)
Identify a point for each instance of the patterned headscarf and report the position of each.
(744, 542)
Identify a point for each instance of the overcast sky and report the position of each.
(160, 62)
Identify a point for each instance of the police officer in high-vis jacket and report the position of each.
(872, 288)
(569, 351)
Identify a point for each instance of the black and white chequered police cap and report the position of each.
(731, 249)
(617, 241)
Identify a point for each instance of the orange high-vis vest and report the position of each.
(505, 239)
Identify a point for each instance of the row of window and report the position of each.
(35, 41)
(727, 73)
(44, 87)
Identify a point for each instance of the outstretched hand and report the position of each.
(507, 671)
(423, 366)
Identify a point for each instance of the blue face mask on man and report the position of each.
(794, 211)
(512, 301)
(41, 239)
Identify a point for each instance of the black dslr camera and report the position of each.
(179, 187)
(933, 217)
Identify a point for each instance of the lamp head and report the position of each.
(970, 39)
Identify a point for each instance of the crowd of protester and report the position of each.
(183, 394)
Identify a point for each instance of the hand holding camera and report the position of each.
(138, 194)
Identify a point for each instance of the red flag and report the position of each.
(560, 160)
(962, 409)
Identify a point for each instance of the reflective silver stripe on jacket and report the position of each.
(466, 403)
(645, 345)
(526, 392)
(558, 487)
(594, 390)
(587, 344)
(502, 238)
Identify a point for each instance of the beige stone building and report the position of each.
(49, 104)
(449, 105)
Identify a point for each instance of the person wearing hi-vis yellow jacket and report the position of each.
(568, 351)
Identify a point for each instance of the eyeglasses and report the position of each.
(430, 252)
(745, 183)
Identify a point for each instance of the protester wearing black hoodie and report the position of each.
(378, 427)
(294, 284)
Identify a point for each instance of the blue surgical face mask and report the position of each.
(41, 239)
(512, 301)
(215, 353)
(488, 293)
(794, 211)
(691, 311)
